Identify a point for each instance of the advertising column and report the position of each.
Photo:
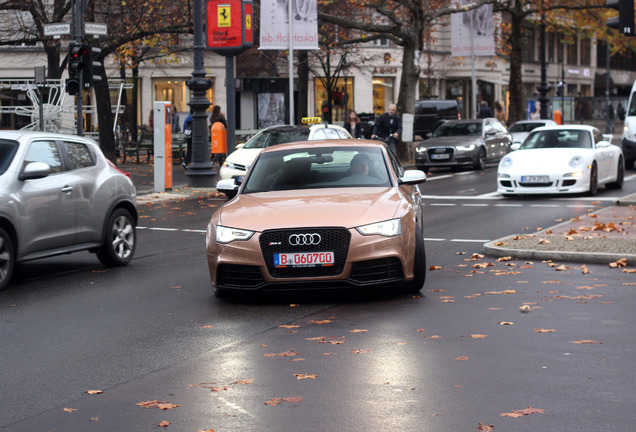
(163, 145)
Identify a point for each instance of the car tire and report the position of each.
(119, 240)
(419, 265)
(593, 180)
(620, 176)
(480, 162)
(7, 259)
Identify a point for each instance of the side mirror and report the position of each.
(515, 146)
(35, 170)
(227, 185)
(412, 177)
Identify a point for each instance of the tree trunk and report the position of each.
(408, 86)
(105, 117)
(515, 111)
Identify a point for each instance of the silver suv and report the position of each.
(59, 194)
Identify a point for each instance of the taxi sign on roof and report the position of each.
(311, 120)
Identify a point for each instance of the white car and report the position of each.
(521, 129)
(238, 162)
(561, 159)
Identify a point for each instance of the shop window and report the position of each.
(382, 94)
(572, 53)
(341, 99)
(586, 52)
(527, 44)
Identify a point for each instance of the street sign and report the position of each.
(95, 29)
(57, 29)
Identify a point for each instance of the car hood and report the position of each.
(546, 160)
(519, 137)
(451, 141)
(348, 207)
(244, 156)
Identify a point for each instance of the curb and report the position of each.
(589, 257)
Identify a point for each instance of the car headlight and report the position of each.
(228, 165)
(576, 162)
(388, 228)
(469, 147)
(506, 162)
(228, 235)
(628, 133)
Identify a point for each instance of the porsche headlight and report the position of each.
(506, 162)
(576, 162)
(628, 133)
(228, 235)
(390, 228)
(228, 165)
(469, 147)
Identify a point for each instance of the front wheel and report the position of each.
(7, 259)
(593, 180)
(480, 163)
(120, 240)
(419, 265)
(620, 176)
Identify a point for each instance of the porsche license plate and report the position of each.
(304, 259)
(535, 179)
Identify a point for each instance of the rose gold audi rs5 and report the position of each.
(316, 215)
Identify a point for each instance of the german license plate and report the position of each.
(535, 179)
(303, 259)
(440, 156)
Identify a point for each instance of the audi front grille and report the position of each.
(334, 240)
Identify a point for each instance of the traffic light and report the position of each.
(624, 22)
(92, 65)
(76, 54)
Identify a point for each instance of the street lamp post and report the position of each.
(200, 172)
(543, 88)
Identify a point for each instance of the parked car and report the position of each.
(464, 143)
(367, 121)
(238, 162)
(59, 194)
(330, 214)
(561, 159)
(429, 114)
(521, 129)
(628, 138)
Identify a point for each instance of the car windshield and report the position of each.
(524, 127)
(8, 149)
(315, 168)
(458, 129)
(563, 138)
(270, 137)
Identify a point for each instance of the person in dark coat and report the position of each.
(388, 127)
(484, 110)
(353, 126)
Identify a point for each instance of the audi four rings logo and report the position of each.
(304, 239)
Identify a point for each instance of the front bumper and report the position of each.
(360, 261)
(513, 185)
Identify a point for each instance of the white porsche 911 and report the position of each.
(561, 159)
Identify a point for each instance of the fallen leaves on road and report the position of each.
(289, 326)
(620, 263)
(68, 410)
(278, 401)
(540, 330)
(158, 404)
(484, 428)
(462, 358)
(523, 412)
(359, 351)
(164, 423)
(319, 322)
(586, 341)
(475, 336)
(358, 331)
(434, 267)
(305, 376)
(283, 354)
(510, 291)
(94, 392)
(505, 323)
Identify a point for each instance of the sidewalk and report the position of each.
(604, 236)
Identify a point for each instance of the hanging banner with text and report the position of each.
(275, 25)
(482, 35)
